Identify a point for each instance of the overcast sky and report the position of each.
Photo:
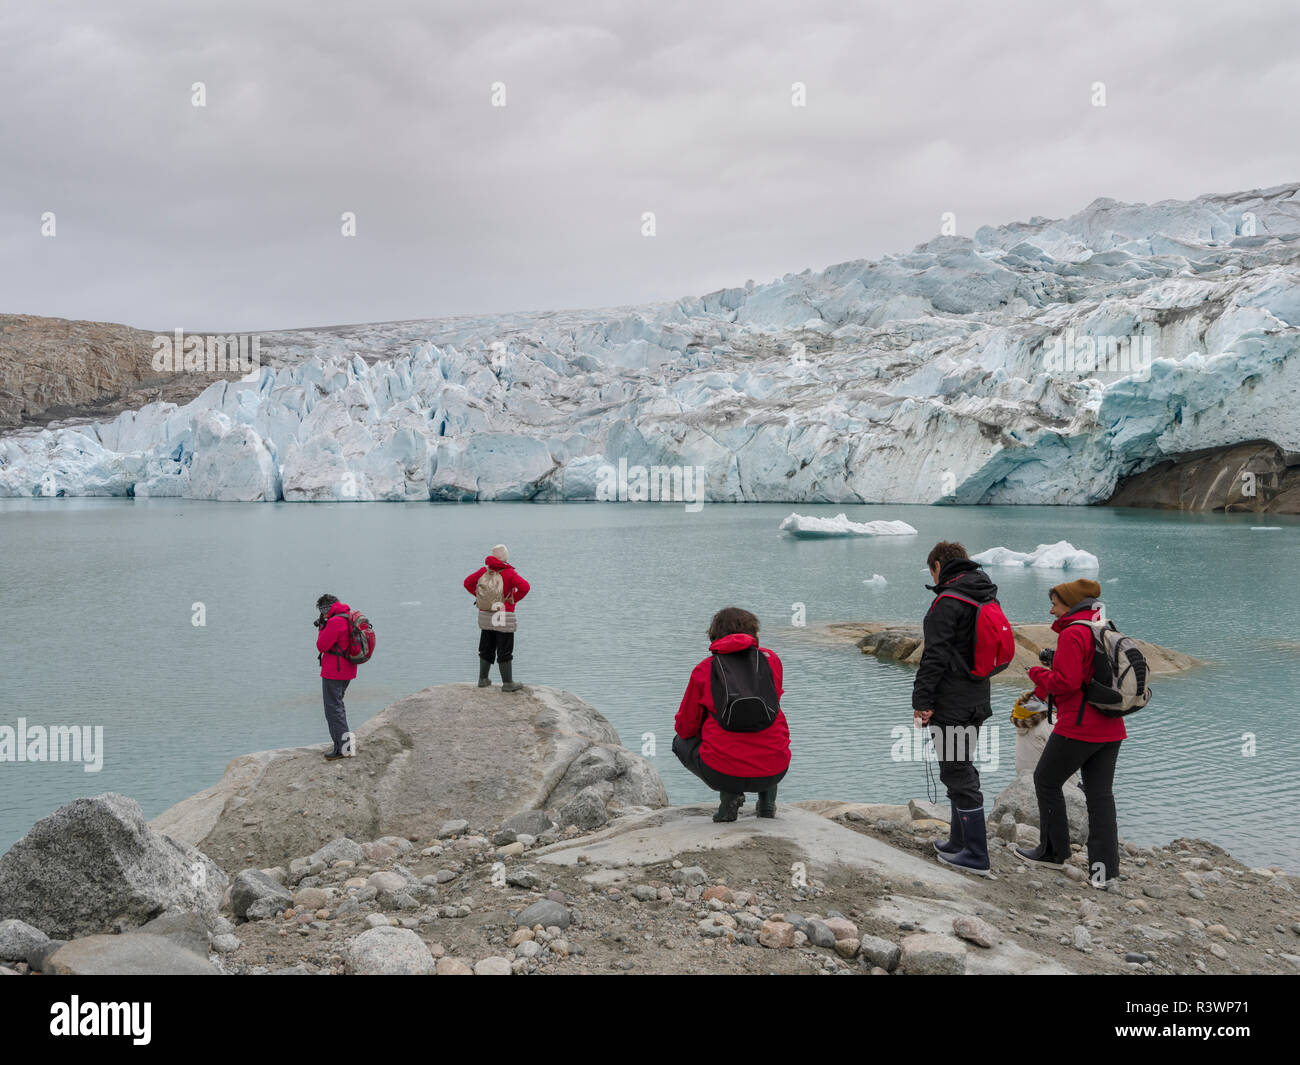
(228, 216)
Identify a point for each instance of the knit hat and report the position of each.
(1072, 592)
(500, 552)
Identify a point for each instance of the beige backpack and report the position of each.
(489, 592)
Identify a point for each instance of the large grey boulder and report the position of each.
(389, 951)
(129, 955)
(1019, 799)
(95, 863)
(18, 938)
(586, 810)
(252, 886)
(453, 751)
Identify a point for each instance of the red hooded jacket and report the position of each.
(1071, 670)
(336, 636)
(738, 754)
(514, 585)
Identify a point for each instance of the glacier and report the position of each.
(1002, 368)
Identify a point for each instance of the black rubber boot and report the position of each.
(507, 678)
(974, 856)
(729, 806)
(483, 668)
(1040, 855)
(955, 839)
(767, 802)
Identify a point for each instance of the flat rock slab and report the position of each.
(477, 754)
(935, 895)
(129, 955)
(901, 642)
(661, 835)
(936, 917)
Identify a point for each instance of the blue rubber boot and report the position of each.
(955, 839)
(974, 856)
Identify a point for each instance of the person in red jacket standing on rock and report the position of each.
(333, 641)
(730, 729)
(496, 587)
(1084, 739)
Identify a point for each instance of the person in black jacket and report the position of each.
(953, 703)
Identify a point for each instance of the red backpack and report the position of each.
(995, 645)
(361, 641)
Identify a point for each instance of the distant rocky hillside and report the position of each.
(51, 368)
(1037, 362)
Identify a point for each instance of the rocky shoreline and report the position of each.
(586, 880)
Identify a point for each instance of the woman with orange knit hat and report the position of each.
(1084, 740)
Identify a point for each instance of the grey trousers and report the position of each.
(336, 716)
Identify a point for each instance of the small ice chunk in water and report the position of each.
(810, 528)
(1060, 555)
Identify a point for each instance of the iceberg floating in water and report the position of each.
(1060, 555)
(811, 528)
(875, 581)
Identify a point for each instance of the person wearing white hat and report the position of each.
(496, 587)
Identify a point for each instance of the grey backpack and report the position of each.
(1119, 672)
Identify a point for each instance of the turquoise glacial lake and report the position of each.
(100, 598)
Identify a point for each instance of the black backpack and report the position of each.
(744, 691)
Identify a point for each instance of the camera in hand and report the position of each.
(1045, 656)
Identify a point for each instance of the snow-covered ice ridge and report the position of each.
(922, 377)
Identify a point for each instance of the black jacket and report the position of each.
(943, 681)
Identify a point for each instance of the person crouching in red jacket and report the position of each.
(333, 641)
(730, 729)
(496, 587)
(1084, 740)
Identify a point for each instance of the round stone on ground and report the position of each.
(389, 952)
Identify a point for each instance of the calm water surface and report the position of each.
(99, 599)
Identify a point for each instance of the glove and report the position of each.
(1045, 656)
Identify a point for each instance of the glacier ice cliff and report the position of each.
(1039, 362)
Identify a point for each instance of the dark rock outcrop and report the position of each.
(1256, 477)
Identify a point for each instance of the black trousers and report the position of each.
(955, 741)
(336, 717)
(1095, 762)
(494, 645)
(688, 753)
